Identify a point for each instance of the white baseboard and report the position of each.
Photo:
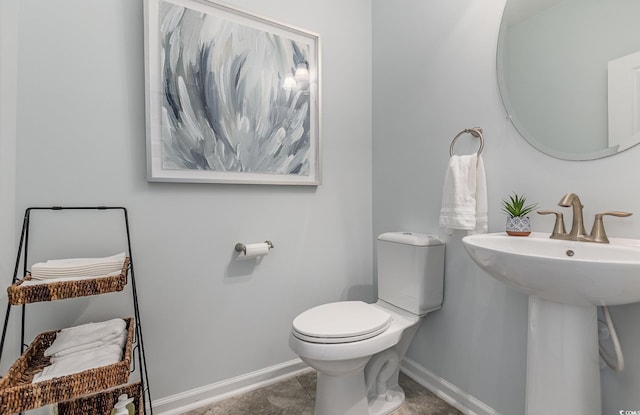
(206, 395)
(445, 390)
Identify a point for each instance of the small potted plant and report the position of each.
(515, 207)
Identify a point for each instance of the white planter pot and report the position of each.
(518, 226)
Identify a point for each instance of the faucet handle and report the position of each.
(617, 213)
(598, 233)
(558, 229)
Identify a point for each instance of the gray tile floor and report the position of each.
(295, 396)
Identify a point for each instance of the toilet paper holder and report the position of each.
(240, 247)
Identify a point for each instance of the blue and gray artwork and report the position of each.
(235, 99)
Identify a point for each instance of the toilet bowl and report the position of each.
(357, 372)
(356, 347)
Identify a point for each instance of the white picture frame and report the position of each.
(231, 97)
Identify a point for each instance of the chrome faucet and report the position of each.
(578, 232)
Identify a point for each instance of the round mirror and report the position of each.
(569, 74)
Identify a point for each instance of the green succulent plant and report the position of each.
(516, 206)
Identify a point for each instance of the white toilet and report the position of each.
(356, 347)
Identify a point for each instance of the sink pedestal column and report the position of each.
(563, 368)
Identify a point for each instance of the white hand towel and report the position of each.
(464, 195)
(482, 218)
(84, 334)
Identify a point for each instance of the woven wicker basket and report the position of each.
(17, 393)
(102, 403)
(52, 291)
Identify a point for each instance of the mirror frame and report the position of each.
(520, 126)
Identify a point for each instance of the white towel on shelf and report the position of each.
(80, 362)
(33, 281)
(78, 267)
(464, 195)
(75, 337)
(112, 347)
(116, 339)
(79, 262)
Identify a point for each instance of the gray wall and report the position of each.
(8, 77)
(81, 140)
(434, 75)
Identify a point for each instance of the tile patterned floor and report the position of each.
(296, 397)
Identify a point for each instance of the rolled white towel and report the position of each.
(83, 361)
(73, 337)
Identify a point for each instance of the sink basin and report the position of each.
(565, 281)
(567, 272)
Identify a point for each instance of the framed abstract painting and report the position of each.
(231, 97)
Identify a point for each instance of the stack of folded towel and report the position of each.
(84, 347)
(74, 268)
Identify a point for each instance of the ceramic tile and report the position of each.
(295, 396)
(308, 382)
(286, 394)
(421, 401)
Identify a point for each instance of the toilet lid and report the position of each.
(341, 322)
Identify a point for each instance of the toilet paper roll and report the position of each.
(254, 250)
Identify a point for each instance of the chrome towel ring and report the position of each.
(476, 132)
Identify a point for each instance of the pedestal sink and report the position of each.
(565, 281)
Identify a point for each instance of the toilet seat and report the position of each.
(341, 322)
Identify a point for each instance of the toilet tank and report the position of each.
(411, 271)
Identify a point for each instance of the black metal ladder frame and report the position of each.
(24, 246)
